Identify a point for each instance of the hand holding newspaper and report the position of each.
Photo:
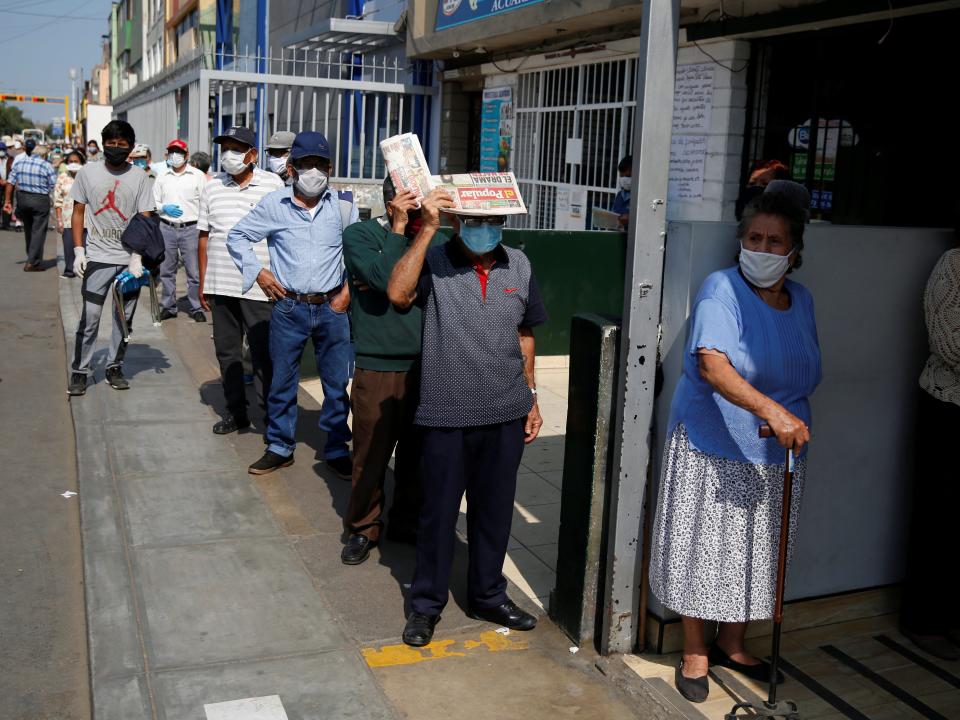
(473, 193)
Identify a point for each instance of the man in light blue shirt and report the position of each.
(303, 226)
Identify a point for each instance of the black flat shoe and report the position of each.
(167, 315)
(230, 424)
(759, 672)
(269, 462)
(693, 689)
(507, 615)
(357, 549)
(419, 629)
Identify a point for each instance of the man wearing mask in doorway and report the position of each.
(386, 384)
(236, 311)
(621, 203)
(303, 225)
(278, 152)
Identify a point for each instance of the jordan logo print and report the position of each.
(110, 202)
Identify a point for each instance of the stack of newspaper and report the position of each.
(473, 193)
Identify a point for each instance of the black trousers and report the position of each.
(482, 461)
(929, 607)
(233, 318)
(34, 210)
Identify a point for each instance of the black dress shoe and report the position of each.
(269, 462)
(508, 615)
(693, 689)
(230, 424)
(342, 466)
(199, 317)
(357, 549)
(167, 315)
(759, 672)
(419, 629)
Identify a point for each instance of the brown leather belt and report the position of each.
(315, 298)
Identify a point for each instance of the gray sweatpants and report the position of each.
(180, 242)
(97, 286)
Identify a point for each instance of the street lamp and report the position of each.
(73, 91)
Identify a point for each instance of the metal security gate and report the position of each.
(346, 78)
(593, 102)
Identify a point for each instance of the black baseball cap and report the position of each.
(239, 133)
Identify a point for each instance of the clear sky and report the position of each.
(42, 40)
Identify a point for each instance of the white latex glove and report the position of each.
(79, 261)
(136, 265)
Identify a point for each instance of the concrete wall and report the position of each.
(868, 285)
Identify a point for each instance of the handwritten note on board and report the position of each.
(688, 157)
(692, 98)
(692, 108)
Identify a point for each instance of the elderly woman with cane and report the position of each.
(752, 358)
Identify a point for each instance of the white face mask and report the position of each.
(311, 183)
(73, 167)
(176, 160)
(277, 164)
(231, 162)
(763, 269)
(92, 149)
(624, 183)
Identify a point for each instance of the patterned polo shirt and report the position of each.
(223, 203)
(33, 174)
(472, 367)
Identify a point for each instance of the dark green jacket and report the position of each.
(387, 339)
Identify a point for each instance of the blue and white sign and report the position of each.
(451, 13)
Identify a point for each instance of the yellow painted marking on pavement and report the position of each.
(495, 642)
(393, 655)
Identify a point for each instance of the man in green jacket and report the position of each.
(386, 383)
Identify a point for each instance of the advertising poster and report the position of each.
(496, 130)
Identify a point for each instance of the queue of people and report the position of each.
(437, 335)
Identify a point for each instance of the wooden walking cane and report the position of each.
(771, 707)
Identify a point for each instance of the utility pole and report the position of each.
(639, 336)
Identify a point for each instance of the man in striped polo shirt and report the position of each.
(224, 201)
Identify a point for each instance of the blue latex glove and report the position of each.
(172, 210)
(129, 283)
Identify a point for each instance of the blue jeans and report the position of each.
(291, 324)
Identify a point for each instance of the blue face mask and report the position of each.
(481, 239)
(140, 162)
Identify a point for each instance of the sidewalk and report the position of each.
(206, 585)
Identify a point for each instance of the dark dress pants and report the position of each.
(233, 318)
(34, 210)
(482, 461)
(929, 606)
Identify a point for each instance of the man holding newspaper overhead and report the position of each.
(478, 398)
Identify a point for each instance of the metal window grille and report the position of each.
(594, 102)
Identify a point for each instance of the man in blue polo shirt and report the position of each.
(478, 407)
(303, 225)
